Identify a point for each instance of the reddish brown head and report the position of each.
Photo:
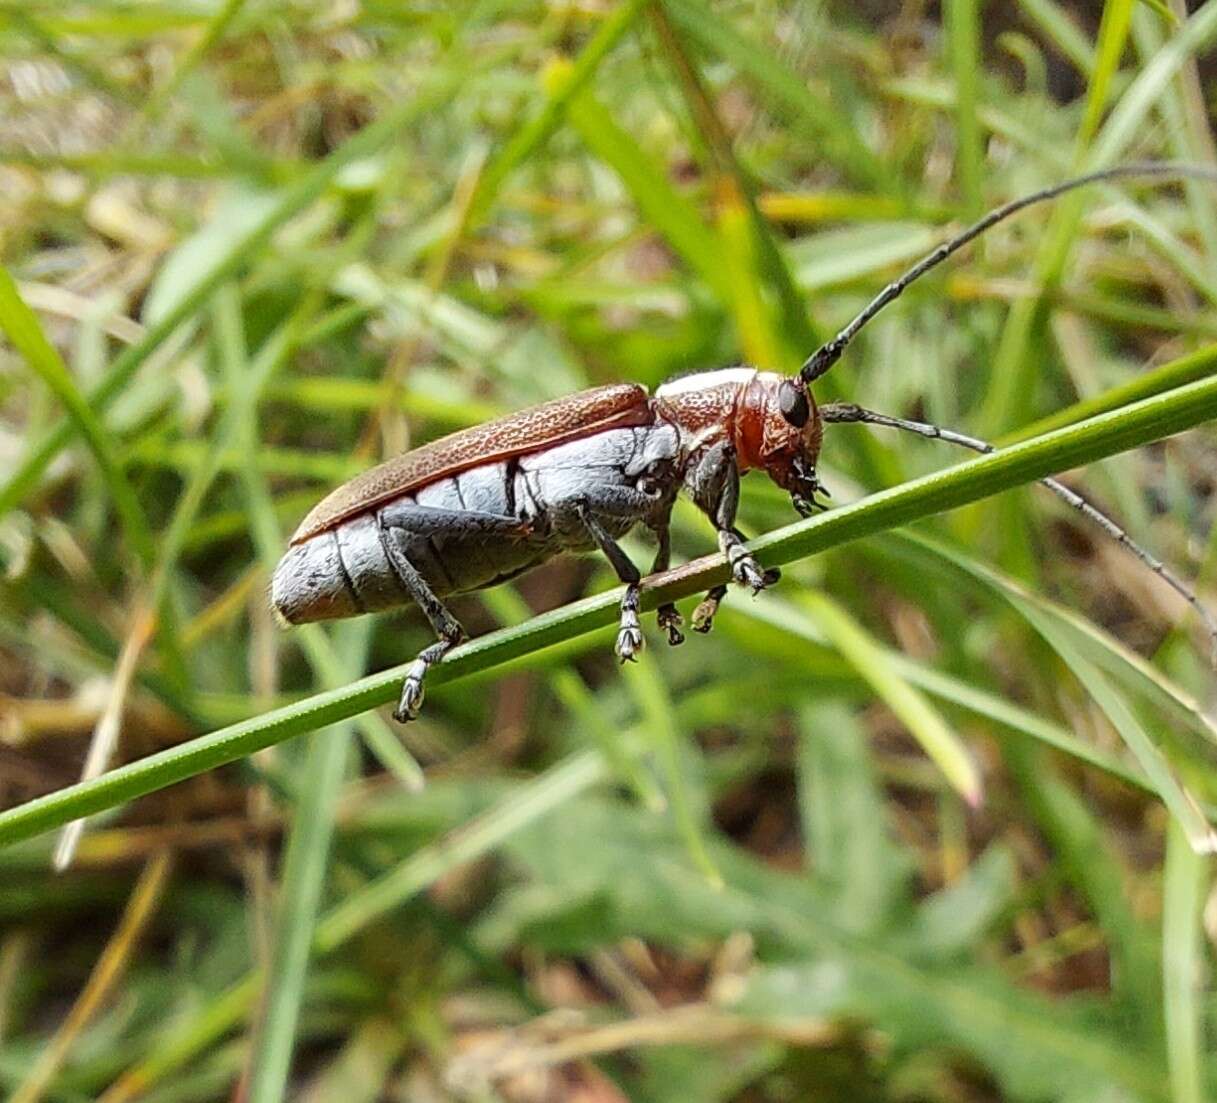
(778, 429)
(770, 419)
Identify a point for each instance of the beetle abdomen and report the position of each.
(345, 571)
(459, 542)
(338, 573)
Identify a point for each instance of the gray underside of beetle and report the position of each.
(347, 570)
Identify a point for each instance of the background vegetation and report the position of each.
(914, 826)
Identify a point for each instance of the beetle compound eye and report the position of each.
(792, 401)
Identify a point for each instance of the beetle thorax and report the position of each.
(739, 405)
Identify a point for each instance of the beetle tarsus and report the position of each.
(412, 686)
(630, 639)
(669, 619)
(703, 615)
(744, 567)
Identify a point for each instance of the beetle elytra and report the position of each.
(487, 503)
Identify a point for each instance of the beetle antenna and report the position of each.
(849, 412)
(830, 352)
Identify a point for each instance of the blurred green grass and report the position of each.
(266, 245)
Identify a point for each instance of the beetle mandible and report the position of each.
(487, 503)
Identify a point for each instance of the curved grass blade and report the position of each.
(923, 721)
(1184, 891)
(289, 202)
(526, 804)
(784, 617)
(304, 869)
(23, 329)
(1064, 636)
(1150, 419)
(1105, 652)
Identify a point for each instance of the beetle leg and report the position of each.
(446, 626)
(715, 487)
(433, 520)
(703, 615)
(744, 567)
(629, 637)
(667, 615)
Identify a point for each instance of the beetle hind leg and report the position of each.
(446, 626)
(411, 699)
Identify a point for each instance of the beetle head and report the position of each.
(781, 432)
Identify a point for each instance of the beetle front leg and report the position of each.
(446, 626)
(715, 488)
(629, 636)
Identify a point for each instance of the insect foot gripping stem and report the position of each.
(629, 637)
(744, 567)
(754, 575)
(703, 615)
(669, 619)
(411, 700)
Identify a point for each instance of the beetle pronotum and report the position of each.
(485, 504)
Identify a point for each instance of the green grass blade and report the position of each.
(304, 868)
(290, 202)
(1061, 31)
(663, 208)
(690, 807)
(790, 94)
(524, 805)
(1113, 39)
(753, 254)
(784, 617)
(963, 28)
(510, 608)
(1150, 419)
(1182, 805)
(1007, 403)
(846, 828)
(923, 721)
(1129, 115)
(23, 329)
(1186, 882)
(565, 82)
(1133, 672)
(1186, 369)
(215, 30)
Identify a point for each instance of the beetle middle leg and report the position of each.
(667, 615)
(446, 626)
(629, 636)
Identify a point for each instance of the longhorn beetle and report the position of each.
(485, 504)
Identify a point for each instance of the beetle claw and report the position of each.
(703, 615)
(670, 620)
(411, 694)
(629, 642)
(748, 572)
